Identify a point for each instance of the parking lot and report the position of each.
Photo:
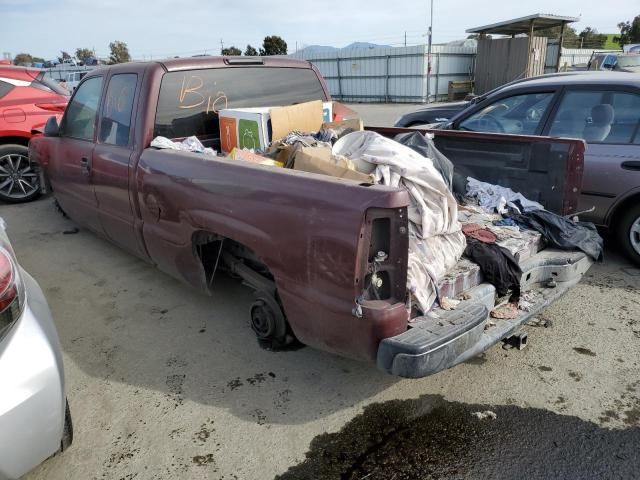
(164, 382)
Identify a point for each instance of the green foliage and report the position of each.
(250, 51)
(273, 45)
(629, 32)
(83, 54)
(23, 59)
(64, 56)
(119, 52)
(231, 51)
(590, 38)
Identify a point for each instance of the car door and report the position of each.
(112, 156)
(70, 173)
(607, 118)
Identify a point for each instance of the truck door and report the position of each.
(112, 158)
(71, 172)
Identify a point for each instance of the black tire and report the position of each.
(628, 230)
(67, 433)
(22, 176)
(269, 323)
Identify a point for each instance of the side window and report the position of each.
(115, 123)
(519, 114)
(609, 62)
(80, 117)
(597, 116)
(5, 87)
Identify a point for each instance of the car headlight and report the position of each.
(12, 291)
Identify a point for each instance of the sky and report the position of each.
(161, 28)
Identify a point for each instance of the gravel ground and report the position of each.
(166, 383)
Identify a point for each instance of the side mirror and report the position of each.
(51, 128)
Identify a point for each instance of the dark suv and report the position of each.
(603, 108)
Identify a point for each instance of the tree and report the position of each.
(231, 51)
(250, 51)
(590, 38)
(64, 56)
(84, 54)
(23, 59)
(119, 52)
(570, 39)
(273, 45)
(629, 32)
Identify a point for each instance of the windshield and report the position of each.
(189, 101)
(43, 82)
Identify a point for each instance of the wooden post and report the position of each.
(529, 58)
(560, 47)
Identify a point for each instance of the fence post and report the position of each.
(386, 79)
(435, 96)
(339, 78)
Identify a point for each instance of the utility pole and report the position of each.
(221, 46)
(430, 35)
(405, 39)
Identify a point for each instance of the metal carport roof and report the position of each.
(523, 24)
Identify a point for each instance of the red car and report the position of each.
(27, 100)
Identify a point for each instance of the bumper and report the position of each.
(32, 403)
(446, 338)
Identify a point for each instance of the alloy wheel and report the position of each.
(17, 178)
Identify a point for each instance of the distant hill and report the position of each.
(610, 44)
(326, 48)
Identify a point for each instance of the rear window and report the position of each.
(42, 82)
(189, 101)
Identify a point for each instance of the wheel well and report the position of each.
(217, 252)
(621, 208)
(24, 141)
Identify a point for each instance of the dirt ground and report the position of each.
(166, 383)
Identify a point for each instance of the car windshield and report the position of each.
(43, 82)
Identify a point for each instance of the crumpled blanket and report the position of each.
(436, 241)
(496, 198)
(189, 144)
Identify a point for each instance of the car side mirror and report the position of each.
(51, 128)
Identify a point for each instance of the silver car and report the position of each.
(35, 422)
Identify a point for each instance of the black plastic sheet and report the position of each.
(563, 233)
(418, 142)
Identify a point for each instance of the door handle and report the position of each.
(632, 165)
(85, 166)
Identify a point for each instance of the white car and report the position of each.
(35, 421)
(72, 80)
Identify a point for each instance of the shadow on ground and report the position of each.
(429, 438)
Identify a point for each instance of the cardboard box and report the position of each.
(320, 160)
(304, 117)
(251, 126)
(248, 156)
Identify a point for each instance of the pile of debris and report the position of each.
(492, 227)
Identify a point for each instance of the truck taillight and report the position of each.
(10, 291)
(384, 255)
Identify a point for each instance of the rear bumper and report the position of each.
(32, 403)
(443, 339)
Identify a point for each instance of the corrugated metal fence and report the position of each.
(399, 74)
(391, 74)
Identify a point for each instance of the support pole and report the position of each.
(560, 47)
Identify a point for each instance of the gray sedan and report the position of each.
(603, 109)
(35, 422)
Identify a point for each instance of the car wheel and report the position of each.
(629, 233)
(67, 433)
(18, 181)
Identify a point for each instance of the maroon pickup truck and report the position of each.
(306, 243)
